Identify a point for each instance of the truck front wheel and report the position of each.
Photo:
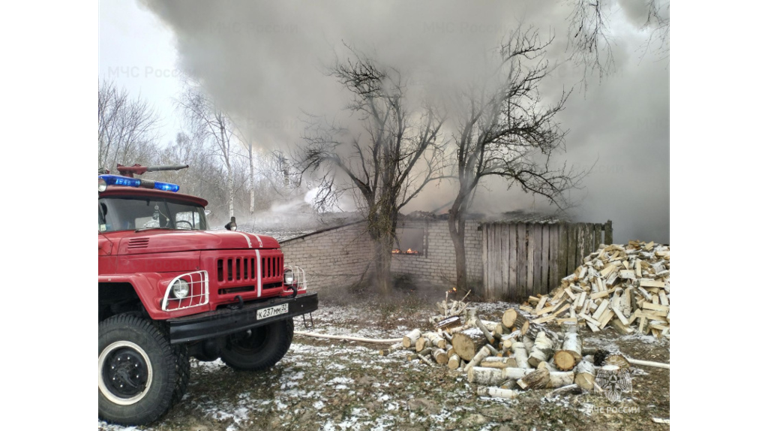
(258, 348)
(137, 371)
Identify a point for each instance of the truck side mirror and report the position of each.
(232, 225)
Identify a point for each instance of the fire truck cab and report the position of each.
(170, 287)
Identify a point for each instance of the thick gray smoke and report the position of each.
(264, 63)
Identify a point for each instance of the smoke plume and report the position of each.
(265, 64)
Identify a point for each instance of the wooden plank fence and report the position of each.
(525, 259)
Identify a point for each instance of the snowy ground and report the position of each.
(322, 385)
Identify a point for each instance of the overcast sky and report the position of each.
(263, 62)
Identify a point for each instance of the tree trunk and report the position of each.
(231, 187)
(251, 184)
(382, 265)
(230, 175)
(382, 231)
(456, 226)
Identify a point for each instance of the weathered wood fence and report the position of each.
(523, 259)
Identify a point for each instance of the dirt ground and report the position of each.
(334, 385)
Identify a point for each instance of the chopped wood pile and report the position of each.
(507, 356)
(625, 286)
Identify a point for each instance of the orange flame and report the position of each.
(409, 251)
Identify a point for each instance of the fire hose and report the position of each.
(348, 338)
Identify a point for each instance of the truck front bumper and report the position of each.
(227, 321)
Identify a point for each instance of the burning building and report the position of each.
(512, 255)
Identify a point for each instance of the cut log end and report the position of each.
(564, 360)
(467, 343)
(454, 361)
(509, 318)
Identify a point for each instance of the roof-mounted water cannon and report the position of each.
(130, 171)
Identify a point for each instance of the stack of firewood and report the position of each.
(625, 286)
(503, 357)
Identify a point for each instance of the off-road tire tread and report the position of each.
(263, 362)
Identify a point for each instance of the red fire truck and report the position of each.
(171, 288)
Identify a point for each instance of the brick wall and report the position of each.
(340, 256)
(438, 264)
(334, 257)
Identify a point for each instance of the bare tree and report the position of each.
(251, 179)
(211, 123)
(385, 158)
(589, 38)
(503, 130)
(126, 127)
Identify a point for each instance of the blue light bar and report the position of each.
(117, 180)
(168, 187)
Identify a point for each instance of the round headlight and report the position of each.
(288, 277)
(180, 289)
(102, 184)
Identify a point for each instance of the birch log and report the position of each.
(422, 343)
(570, 353)
(585, 375)
(468, 342)
(516, 373)
(493, 391)
(449, 323)
(536, 380)
(410, 338)
(495, 362)
(559, 379)
(393, 348)
(509, 339)
(485, 376)
(509, 318)
(470, 315)
(495, 376)
(436, 340)
(521, 355)
(483, 353)
(528, 343)
(500, 330)
(481, 326)
(441, 357)
(454, 361)
(424, 353)
(542, 349)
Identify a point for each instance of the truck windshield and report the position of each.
(145, 213)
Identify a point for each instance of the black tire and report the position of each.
(183, 368)
(181, 352)
(259, 348)
(129, 339)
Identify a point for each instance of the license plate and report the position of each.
(277, 310)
